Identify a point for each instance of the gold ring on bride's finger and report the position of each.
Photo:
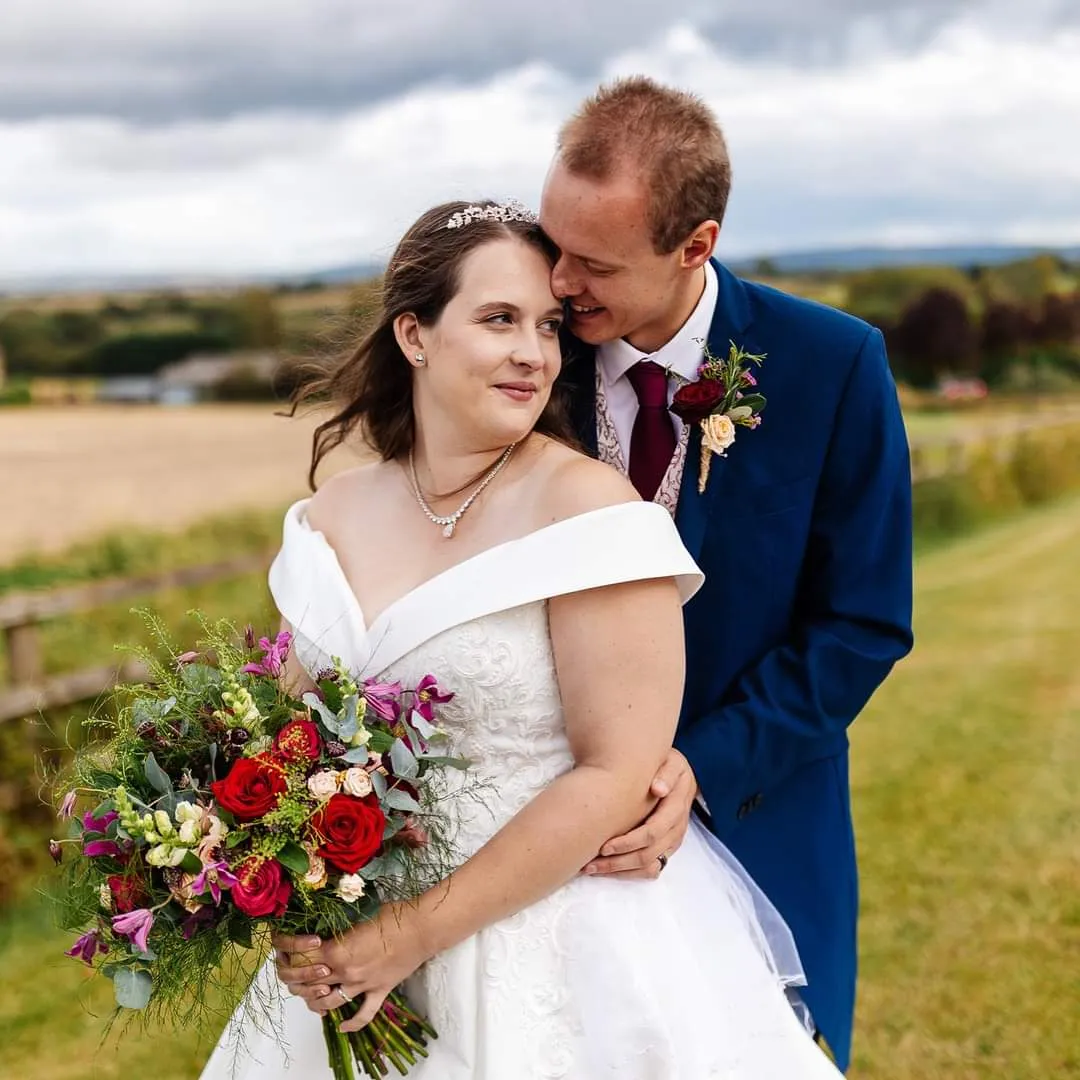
(341, 991)
(662, 859)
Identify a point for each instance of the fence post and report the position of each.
(24, 654)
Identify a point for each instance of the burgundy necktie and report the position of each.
(652, 441)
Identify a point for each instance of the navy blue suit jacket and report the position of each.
(804, 535)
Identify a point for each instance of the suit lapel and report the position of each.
(730, 320)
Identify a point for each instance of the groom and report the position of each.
(803, 529)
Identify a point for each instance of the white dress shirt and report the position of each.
(682, 355)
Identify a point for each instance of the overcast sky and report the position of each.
(225, 136)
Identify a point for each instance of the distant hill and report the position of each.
(796, 262)
(867, 258)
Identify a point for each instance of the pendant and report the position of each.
(448, 529)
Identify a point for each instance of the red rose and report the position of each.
(261, 889)
(127, 893)
(253, 788)
(350, 829)
(298, 740)
(697, 400)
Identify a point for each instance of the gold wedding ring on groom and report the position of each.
(662, 859)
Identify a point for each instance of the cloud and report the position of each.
(162, 61)
(966, 139)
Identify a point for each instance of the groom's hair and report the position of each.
(669, 136)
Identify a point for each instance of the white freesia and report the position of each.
(350, 888)
(105, 896)
(166, 855)
(190, 832)
(357, 782)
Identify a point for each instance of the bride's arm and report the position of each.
(619, 657)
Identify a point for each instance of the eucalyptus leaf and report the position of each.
(378, 782)
(349, 723)
(294, 857)
(397, 799)
(200, 678)
(132, 988)
(357, 756)
(448, 762)
(156, 776)
(313, 702)
(740, 412)
(426, 729)
(403, 760)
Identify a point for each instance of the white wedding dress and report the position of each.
(683, 978)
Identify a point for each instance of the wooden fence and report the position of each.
(29, 691)
(21, 614)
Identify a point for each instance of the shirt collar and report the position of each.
(682, 354)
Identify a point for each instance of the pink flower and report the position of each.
(67, 806)
(214, 877)
(748, 379)
(427, 696)
(383, 699)
(87, 947)
(187, 658)
(135, 925)
(98, 824)
(56, 851)
(274, 653)
(98, 848)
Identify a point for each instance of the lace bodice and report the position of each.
(482, 631)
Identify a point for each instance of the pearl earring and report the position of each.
(420, 360)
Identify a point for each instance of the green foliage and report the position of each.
(881, 295)
(998, 480)
(144, 353)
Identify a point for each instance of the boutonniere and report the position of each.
(722, 399)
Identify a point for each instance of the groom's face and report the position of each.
(616, 283)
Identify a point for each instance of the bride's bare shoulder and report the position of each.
(575, 484)
(339, 494)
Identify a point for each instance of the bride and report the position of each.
(538, 587)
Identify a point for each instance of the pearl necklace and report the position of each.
(449, 522)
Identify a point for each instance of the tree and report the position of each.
(936, 336)
(1059, 323)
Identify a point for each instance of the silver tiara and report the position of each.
(508, 211)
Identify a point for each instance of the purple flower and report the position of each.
(427, 696)
(214, 877)
(87, 947)
(67, 806)
(274, 653)
(56, 851)
(97, 848)
(748, 379)
(98, 824)
(135, 925)
(194, 922)
(383, 699)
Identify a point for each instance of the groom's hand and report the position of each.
(637, 854)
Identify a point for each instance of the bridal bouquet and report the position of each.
(220, 807)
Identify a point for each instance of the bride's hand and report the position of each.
(370, 959)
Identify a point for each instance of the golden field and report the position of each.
(70, 474)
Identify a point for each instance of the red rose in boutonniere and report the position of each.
(696, 400)
(721, 399)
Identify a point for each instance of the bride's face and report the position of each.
(493, 355)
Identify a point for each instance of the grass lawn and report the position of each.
(967, 796)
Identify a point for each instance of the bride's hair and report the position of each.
(370, 383)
